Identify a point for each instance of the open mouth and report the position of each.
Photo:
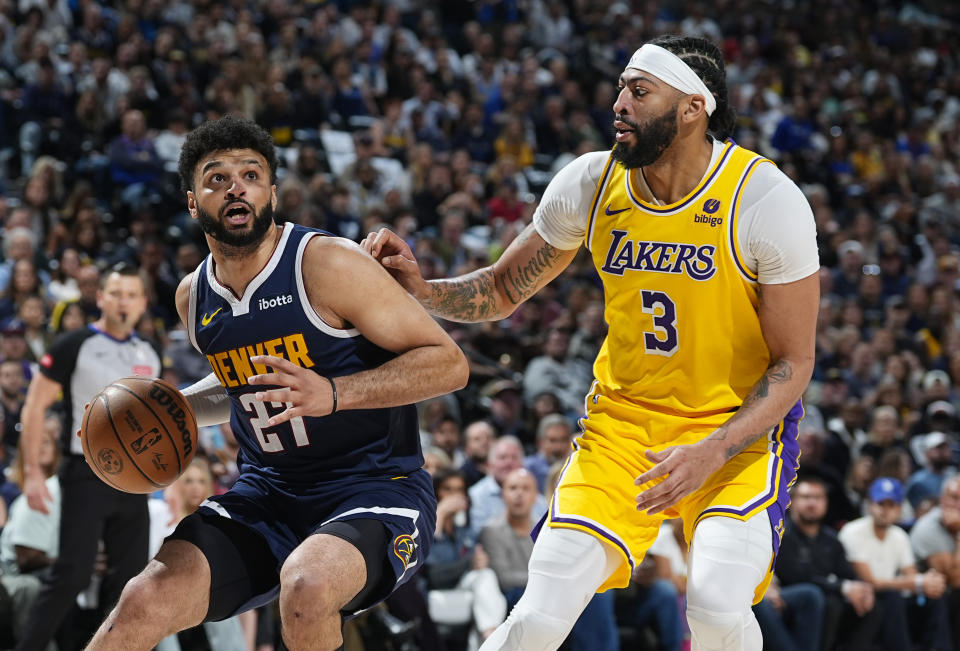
(622, 130)
(237, 213)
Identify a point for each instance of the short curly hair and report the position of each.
(228, 132)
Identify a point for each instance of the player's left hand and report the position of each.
(685, 467)
(304, 392)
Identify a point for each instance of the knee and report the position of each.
(810, 596)
(531, 628)
(716, 629)
(140, 600)
(304, 594)
(309, 613)
(711, 595)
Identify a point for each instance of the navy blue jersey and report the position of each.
(274, 317)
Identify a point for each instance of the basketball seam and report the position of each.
(176, 451)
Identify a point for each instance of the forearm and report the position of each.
(415, 375)
(495, 292)
(904, 583)
(769, 400)
(209, 401)
(32, 436)
(469, 298)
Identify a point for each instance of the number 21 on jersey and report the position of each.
(259, 420)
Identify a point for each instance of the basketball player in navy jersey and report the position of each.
(317, 355)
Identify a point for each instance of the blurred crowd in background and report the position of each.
(445, 121)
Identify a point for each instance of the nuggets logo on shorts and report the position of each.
(404, 547)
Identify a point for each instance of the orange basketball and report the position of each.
(139, 434)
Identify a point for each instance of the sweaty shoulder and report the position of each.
(561, 218)
(775, 228)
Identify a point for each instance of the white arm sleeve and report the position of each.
(776, 232)
(561, 218)
(209, 400)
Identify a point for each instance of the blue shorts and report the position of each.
(405, 506)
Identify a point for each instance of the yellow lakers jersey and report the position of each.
(684, 335)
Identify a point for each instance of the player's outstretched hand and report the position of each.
(395, 255)
(303, 392)
(686, 468)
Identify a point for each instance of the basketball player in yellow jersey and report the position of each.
(708, 258)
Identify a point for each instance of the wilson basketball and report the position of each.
(139, 434)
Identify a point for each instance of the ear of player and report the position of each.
(139, 434)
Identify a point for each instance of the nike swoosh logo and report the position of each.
(614, 212)
(207, 319)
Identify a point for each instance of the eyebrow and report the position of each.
(635, 79)
(216, 163)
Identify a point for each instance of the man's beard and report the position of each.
(805, 520)
(651, 138)
(217, 228)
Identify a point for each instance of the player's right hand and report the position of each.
(35, 488)
(395, 255)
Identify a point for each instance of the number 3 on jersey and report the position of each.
(270, 441)
(663, 340)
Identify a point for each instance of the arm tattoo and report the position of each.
(777, 373)
(520, 282)
(469, 298)
(473, 297)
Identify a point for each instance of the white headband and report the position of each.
(673, 71)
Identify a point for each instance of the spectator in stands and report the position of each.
(29, 542)
(19, 243)
(555, 371)
(478, 438)
(881, 555)
(13, 387)
(507, 538)
(935, 538)
(46, 107)
(24, 282)
(32, 312)
(486, 496)
(812, 558)
(506, 408)
(554, 437)
(445, 436)
(458, 568)
(88, 283)
(937, 451)
(134, 163)
(885, 432)
(13, 344)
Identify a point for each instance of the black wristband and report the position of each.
(334, 388)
